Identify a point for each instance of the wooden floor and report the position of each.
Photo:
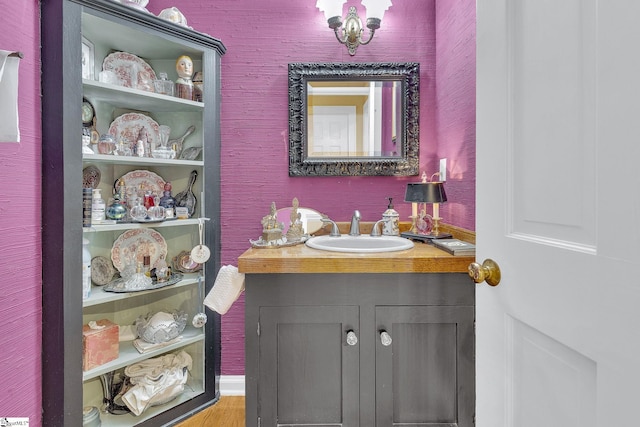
(227, 412)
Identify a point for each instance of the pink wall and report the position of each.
(456, 112)
(20, 261)
(261, 38)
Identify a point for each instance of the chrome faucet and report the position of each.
(375, 231)
(355, 224)
(335, 231)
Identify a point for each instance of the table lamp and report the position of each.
(423, 193)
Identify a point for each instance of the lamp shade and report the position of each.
(376, 8)
(425, 192)
(331, 8)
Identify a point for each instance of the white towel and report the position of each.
(9, 129)
(227, 288)
(156, 381)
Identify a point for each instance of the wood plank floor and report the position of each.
(227, 412)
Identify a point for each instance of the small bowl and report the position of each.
(161, 326)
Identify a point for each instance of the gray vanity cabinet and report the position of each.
(425, 376)
(411, 362)
(302, 353)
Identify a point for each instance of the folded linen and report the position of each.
(144, 347)
(227, 288)
(156, 381)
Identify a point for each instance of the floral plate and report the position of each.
(127, 128)
(132, 71)
(143, 180)
(133, 245)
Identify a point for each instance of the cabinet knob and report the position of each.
(352, 338)
(385, 338)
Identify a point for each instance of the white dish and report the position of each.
(133, 245)
(127, 128)
(144, 180)
(131, 70)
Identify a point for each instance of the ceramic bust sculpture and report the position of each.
(184, 84)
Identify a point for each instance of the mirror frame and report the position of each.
(407, 164)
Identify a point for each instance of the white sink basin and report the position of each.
(359, 244)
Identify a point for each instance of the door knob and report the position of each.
(352, 338)
(488, 272)
(385, 338)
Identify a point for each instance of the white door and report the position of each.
(334, 131)
(558, 208)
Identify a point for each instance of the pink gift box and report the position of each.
(101, 345)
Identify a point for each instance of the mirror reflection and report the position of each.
(310, 218)
(354, 119)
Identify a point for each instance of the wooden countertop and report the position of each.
(423, 258)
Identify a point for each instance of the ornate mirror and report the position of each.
(354, 119)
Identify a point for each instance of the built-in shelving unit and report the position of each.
(110, 27)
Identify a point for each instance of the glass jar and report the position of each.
(106, 144)
(163, 85)
(138, 212)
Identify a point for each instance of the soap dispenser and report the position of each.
(391, 225)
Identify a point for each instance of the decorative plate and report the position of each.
(144, 180)
(132, 71)
(102, 271)
(127, 127)
(132, 245)
(91, 177)
(183, 263)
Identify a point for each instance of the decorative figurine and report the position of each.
(296, 230)
(271, 228)
(184, 84)
(167, 201)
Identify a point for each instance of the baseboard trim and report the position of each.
(232, 385)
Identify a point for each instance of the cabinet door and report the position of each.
(425, 375)
(308, 371)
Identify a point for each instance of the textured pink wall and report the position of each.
(20, 262)
(261, 39)
(456, 112)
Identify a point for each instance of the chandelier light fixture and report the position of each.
(351, 33)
